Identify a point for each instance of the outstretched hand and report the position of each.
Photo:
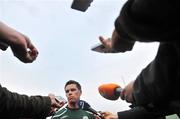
(107, 43)
(55, 104)
(116, 43)
(24, 50)
(109, 115)
(20, 44)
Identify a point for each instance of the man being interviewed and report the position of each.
(72, 110)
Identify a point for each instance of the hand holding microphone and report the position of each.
(127, 93)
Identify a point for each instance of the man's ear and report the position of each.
(80, 92)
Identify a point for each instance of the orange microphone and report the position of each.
(110, 91)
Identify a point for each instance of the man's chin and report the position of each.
(72, 100)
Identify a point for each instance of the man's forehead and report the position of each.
(71, 86)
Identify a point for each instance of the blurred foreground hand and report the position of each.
(20, 44)
(109, 115)
(127, 92)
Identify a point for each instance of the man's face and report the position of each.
(72, 93)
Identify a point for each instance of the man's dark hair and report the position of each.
(73, 82)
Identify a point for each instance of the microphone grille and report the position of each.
(108, 91)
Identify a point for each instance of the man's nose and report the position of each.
(70, 93)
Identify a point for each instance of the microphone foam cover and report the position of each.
(108, 91)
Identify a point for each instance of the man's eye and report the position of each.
(73, 89)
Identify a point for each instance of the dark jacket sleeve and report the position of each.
(13, 105)
(149, 20)
(159, 81)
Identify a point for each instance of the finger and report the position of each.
(57, 105)
(122, 94)
(51, 95)
(28, 59)
(103, 41)
(106, 43)
(22, 55)
(105, 114)
(62, 104)
(31, 55)
(129, 99)
(34, 51)
(31, 47)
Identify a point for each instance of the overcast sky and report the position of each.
(64, 38)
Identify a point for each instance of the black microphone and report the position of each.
(85, 106)
(81, 5)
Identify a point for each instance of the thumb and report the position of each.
(102, 40)
(105, 42)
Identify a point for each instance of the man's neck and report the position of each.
(73, 106)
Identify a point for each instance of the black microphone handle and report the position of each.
(92, 110)
(95, 112)
(85, 106)
(118, 92)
